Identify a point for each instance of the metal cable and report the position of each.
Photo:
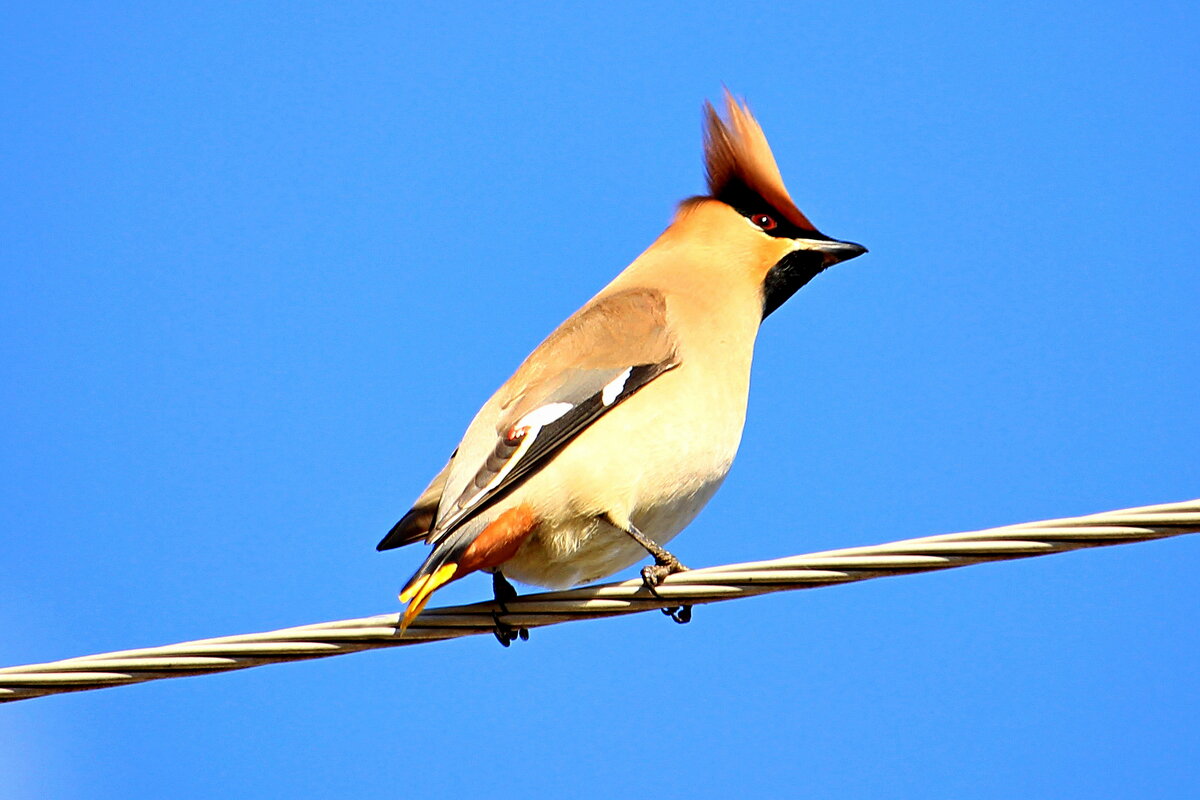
(693, 587)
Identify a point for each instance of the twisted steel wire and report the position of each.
(694, 587)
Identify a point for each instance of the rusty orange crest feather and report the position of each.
(736, 151)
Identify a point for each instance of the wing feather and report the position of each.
(514, 459)
(599, 357)
(416, 524)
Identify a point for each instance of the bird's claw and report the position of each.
(654, 574)
(507, 634)
(681, 614)
(503, 590)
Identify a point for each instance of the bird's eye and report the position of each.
(764, 221)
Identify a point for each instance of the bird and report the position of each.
(622, 424)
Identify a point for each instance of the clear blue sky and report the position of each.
(261, 263)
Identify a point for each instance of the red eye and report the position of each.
(764, 221)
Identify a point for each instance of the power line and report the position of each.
(694, 587)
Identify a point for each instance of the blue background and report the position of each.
(261, 263)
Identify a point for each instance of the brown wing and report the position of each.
(599, 357)
(611, 333)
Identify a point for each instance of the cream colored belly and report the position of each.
(668, 465)
(586, 548)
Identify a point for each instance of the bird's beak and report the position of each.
(810, 255)
(834, 251)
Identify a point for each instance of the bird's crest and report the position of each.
(741, 169)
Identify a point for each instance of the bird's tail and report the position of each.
(463, 552)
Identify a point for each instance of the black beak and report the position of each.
(836, 252)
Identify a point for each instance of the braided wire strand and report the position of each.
(694, 587)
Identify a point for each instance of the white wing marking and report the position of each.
(542, 416)
(613, 390)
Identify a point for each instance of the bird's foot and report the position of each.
(507, 634)
(681, 614)
(504, 591)
(652, 576)
(664, 564)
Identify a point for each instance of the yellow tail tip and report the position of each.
(417, 593)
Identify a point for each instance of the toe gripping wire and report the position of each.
(665, 564)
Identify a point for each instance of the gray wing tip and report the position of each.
(412, 527)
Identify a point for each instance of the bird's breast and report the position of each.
(654, 461)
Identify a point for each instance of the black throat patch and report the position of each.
(785, 278)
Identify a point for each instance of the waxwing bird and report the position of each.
(622, 424)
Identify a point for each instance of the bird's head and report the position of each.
(748, 206)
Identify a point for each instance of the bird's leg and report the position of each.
(664, 564)
(503, 591)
